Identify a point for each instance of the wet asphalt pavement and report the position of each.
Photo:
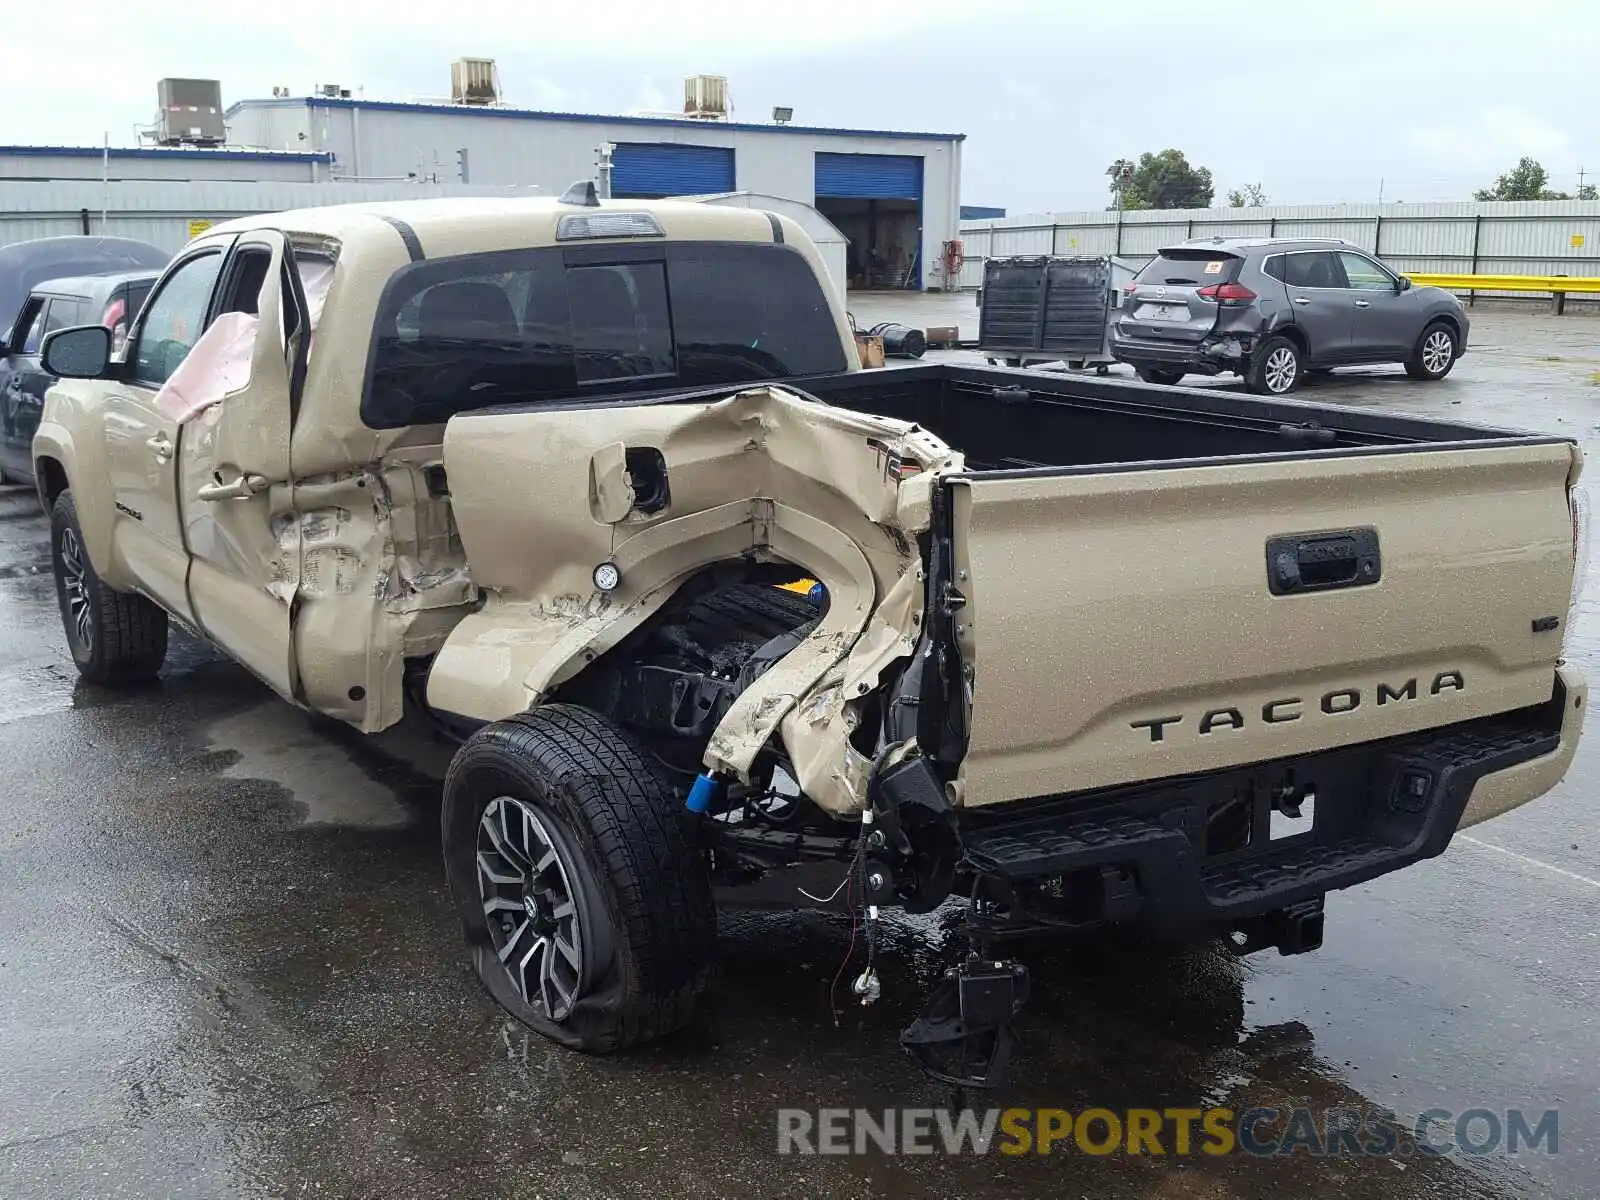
(228, 965)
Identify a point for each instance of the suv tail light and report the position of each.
(1227, 294)
(114, 313)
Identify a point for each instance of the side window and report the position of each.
(1273, 267)
(64, 313)
(1364, 274)
(174, 319)
(1311, 269)
(241, 291)
(31, 324)
(621, 327)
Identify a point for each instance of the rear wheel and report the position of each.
(1157, 375)
(114, 637)
(1275, 369)
(1435, 353)
(588, 915)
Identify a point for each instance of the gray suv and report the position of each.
(1273, 309)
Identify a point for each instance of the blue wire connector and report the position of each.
(817, 595)
(704, 790)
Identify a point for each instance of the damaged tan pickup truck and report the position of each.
(598, 490)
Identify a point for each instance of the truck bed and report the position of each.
(1153, 582)
(1008, 420)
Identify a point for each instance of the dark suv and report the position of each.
(109, 300)
(1272, 309)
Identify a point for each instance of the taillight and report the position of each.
(115, 311)
(1230, 294)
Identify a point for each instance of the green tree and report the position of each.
(1164, 180)
(1251, 195)
(1525, 181)
(1587, 191)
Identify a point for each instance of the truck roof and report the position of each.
(490, 222)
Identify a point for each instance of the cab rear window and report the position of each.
(1191, 268)
(524, 326)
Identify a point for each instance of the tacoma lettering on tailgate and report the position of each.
(1292, 708)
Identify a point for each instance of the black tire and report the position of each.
(1435, 353)
(748, 613)
(1276, 367)
(642, 894)
(1157, 375)
(114, 637)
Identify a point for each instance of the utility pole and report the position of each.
(1581, 174)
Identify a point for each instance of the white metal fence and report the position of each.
(1556, 237)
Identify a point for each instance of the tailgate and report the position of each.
(1122, 626)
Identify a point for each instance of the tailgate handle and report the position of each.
(1321, 562)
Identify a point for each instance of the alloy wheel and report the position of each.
(1281, 369)
(534, 912)
(75, 589)
(1437, 351)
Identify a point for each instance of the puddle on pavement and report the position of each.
(279, 744)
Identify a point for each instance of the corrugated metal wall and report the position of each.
(162, 213)
(1559, 237)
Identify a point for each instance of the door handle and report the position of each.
(162, 445)
(1301, 300)
(241, 488)
(1363, 304)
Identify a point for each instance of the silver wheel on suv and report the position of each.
(1435, 352)
(1275, 368)
(1281, 369)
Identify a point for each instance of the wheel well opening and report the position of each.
(672, 680)
(52, 477)
(1294, 334)
(1449, 322)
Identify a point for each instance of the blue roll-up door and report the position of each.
(642, 169)
(870, 176)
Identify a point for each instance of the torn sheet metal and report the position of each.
(764, 475)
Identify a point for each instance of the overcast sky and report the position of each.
(1320, 102)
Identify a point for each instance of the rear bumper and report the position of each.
(1152, 856)
(1218, 352)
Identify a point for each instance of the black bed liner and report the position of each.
(1023, 422)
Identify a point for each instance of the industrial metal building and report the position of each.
(115, 164)
(895, 196)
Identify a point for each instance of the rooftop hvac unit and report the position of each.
(474, 81)
(191, 113)
(706, 97)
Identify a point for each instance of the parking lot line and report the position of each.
(1532, 862)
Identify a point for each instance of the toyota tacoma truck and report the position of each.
(597, 488)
